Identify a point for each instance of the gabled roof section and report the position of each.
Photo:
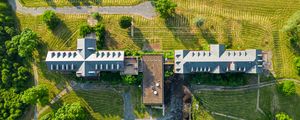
(85, 61)
(218, 60)
(86, 46)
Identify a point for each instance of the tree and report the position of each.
(100, 33)
(36, 94)
(292, 29)
(23, 44)
(166, 8)
(50, 18)
(67, 112)
(85, 29)
(282, 116)
(10, 105)
(125, 22)
(287, 88)
(6, 76)
(21, 76)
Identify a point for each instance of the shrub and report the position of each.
(100, 33)
(50, 18)
(125, 22)
(96, 16)
(297, 63)
(199, 22)
(282, 116)
(287, 88)
(166, 8)
(132, 80)
(85, 29)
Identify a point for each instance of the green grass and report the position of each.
(243, 103)
(103, 104)
(290, 104)
(244, 24)
(238, 104)
(56, 3)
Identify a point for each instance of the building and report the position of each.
(85, 61)
(218, 60)
(153, 80)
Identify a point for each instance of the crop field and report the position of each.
(242, 104)
(57, 3)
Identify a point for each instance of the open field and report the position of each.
(59, 3)
(243, 104)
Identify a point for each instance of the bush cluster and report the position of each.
(287, 88)
(99, 29)
(125, 22)
(51, 19)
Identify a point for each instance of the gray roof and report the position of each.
(86, 61)
(218, 60)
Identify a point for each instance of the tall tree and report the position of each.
(166, 8)
(72, 111)
(125, 22)
(36, 94)
(85, 29)
(23, 44)
(100, 33)
(50, 18)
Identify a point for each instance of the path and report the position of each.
(35, 77)
(228, 116)
(128, 110)
(55, 99)
(144, 9)
(228, 88)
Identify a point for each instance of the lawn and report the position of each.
(104, 104)
(59, 3)
(243, 103)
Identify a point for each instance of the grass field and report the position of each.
(57, 3)
(243, 104)
(244, 24)
(103, 104)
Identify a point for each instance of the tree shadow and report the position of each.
(85, 2)
(139, 39)
(208, 36)
(110, 41)
(229, 38)
(181, 30)
(62, 31)
(295, 46)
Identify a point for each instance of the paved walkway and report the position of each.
(128, 109)
(144, 9)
